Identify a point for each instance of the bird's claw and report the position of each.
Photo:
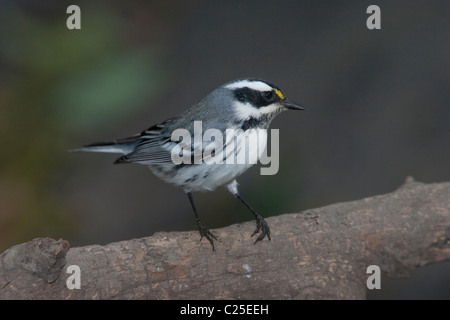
(261, 225)
(204, 232)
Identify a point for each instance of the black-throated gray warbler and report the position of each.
(247, 105)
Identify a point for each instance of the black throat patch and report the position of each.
(253, 123)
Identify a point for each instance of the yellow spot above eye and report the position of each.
(278, 93)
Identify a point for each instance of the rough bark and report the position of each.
(316, 254)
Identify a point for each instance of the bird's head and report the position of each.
(254, 98)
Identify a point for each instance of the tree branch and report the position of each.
(316, 254)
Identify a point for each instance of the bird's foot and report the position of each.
(204, 232)
(261, 225)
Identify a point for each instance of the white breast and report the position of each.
(245, 151)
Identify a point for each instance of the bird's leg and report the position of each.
(204, 232)
(261, 224)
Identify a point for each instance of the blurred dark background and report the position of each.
(377, 110)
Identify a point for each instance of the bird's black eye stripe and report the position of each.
(256, 98)
(269, 95)
(241, 95)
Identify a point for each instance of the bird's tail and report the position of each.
(123, 146)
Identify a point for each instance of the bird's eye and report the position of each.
(269, 95)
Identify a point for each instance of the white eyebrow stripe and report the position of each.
(255, 85)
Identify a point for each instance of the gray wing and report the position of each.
(153, 146)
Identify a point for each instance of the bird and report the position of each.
(244, 107)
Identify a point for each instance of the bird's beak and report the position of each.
(291, 105)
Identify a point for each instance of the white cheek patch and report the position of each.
(244, 111)
(271, 108)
